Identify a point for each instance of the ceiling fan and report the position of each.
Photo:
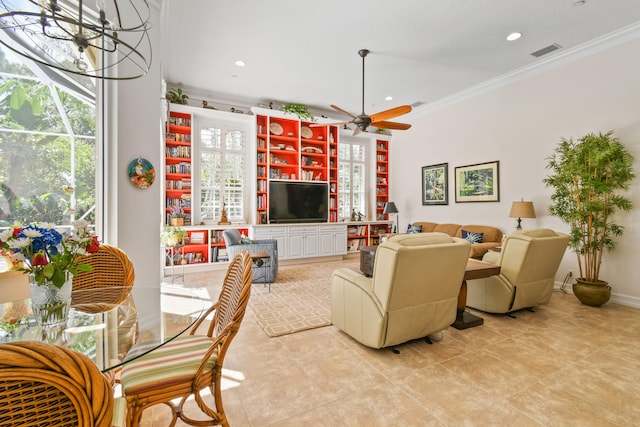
(380, 119)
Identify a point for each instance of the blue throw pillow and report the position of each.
(472, 237)
(414, 229)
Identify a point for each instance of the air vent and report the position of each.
(417, 104)
(545, 50)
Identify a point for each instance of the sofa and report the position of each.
(491, 236)
(412, 293)
(528, 263)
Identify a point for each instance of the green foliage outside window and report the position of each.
(36, 181)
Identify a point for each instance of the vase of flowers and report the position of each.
(172, 236)
(51, 260)
(177, 216)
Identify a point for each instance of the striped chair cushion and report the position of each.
(173, 363)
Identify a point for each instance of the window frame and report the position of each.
(366, 144)
(207, 122)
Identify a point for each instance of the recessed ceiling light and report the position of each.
(388, 98)
(514, 36)
(240, 63)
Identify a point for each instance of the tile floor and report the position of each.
(565, 364)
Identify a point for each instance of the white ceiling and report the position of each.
(422, 51)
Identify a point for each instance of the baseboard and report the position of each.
(626, 300)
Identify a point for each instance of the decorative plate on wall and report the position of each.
(141, 173)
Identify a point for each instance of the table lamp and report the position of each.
(521, 210)
(390, 208)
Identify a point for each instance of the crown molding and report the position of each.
(562, 57)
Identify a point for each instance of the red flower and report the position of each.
(16, 231)
(94, 245)
(39, 259)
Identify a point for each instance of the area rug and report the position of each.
(300, 299)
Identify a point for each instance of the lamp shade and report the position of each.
(522, 210)
(390, 208)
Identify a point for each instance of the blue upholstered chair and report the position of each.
(264, 269)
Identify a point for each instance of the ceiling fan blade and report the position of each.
(391, 113)
(335, 107)
(391, 125)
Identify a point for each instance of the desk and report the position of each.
(149, 317)
(475, 270)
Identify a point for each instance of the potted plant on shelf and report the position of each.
(587, 176)
(177, 96)
(176, 216)
(299, 110)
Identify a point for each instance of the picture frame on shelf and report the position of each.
(478, 183)
(435, 184)
(197, 237)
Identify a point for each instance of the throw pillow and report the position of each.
(412, 229)
(472, 237)
(245, 240)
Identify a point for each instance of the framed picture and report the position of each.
(197, 237)
(435, 184)
(478, 183)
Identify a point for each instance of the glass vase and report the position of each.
(49, 303)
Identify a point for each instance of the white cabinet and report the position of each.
(303, 241)
(333, 240)
(278, 233)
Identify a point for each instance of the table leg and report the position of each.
(464, 319)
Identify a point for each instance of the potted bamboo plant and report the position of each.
(587, 177)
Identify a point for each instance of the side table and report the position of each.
(367, 256)
(174, 255)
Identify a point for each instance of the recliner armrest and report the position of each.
(358, 280)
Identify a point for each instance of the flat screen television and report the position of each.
(298, 202)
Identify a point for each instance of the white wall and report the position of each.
(520, 124)
(136, 127)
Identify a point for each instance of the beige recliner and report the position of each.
(528, 263)
(412, 293)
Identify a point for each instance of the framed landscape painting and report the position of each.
(478, 183)
(435, 184)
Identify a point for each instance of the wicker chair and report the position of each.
(113, 275)
(189, 364)
(46, 385)
(110, 282)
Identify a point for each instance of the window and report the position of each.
(47, 145)
(222, 172)
(352, 178)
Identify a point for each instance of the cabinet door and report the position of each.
(340, 243)
(295, 244)
(310, 244)
(277, 233)
(326, 246)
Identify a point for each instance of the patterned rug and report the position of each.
(300, 299)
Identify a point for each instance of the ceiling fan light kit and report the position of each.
(380, 119)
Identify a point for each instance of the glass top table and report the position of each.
(111, 334)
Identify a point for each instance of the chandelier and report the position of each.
(109, 41)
